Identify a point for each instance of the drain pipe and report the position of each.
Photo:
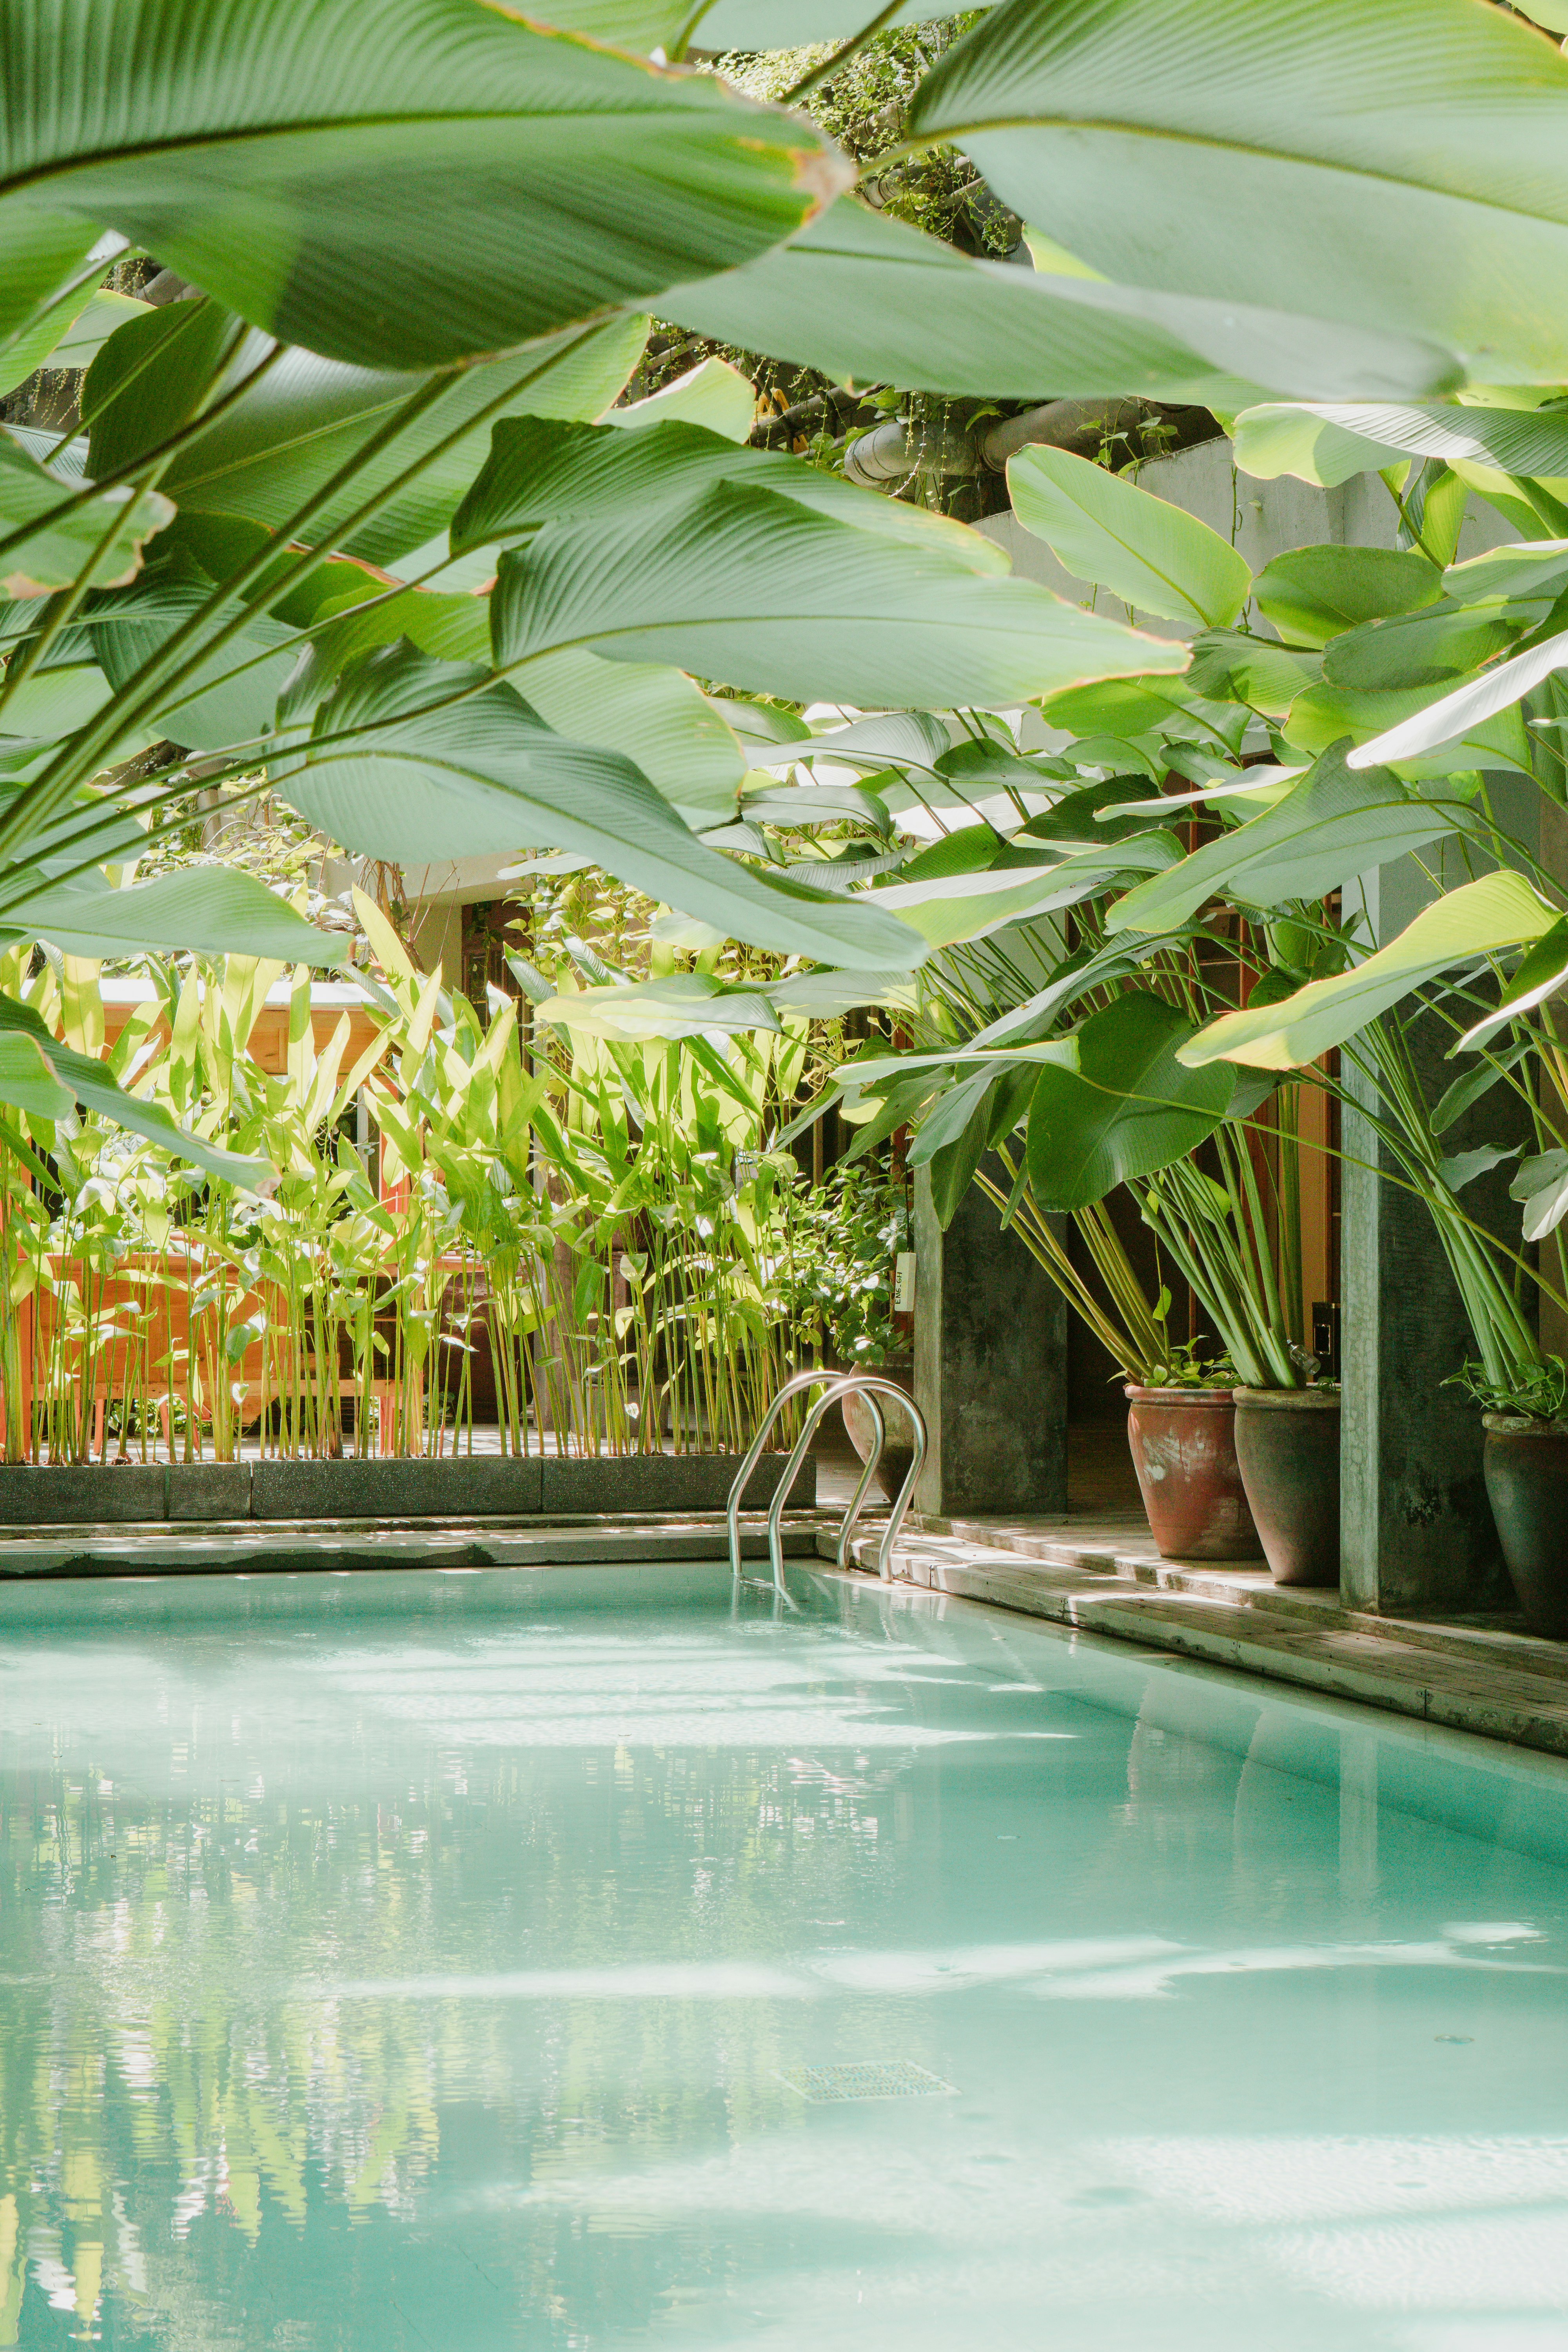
(892, 452)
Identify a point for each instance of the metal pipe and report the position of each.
(869, 1385)
(865, 1383)
(755, 1452)
(792, 1469)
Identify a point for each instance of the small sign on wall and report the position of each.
(904, 1283)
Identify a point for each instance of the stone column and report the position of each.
(1416, 1531)
(990, 1366)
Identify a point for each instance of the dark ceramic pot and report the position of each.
(1288, 1443)
(1184, 1450)
(898, 1453)
(1527, 1483)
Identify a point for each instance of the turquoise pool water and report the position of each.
(506, 1962)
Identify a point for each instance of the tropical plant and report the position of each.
(1363, 732)
(192, 567)
(609, 1230)
(263, 546)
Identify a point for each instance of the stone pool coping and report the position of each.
(1094, 1576)
(332, 1546)
(1481, 1675)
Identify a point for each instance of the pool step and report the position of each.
(1488, 1679)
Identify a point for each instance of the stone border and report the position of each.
(488, 1485)
(1499, 1684)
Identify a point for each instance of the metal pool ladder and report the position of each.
(870, 1385)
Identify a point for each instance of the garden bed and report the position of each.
(476, 1486)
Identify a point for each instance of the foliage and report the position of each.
(864, 106)
(274, 540)
(1539, 1391)
(848, 1232)
(609, 1231)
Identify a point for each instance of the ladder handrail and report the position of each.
(870, 1385)
(753, 1453)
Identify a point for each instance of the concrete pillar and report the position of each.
(1416, 1531)
(990, 1366)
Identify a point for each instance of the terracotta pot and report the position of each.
(898, 1452)
(1288, 1443)
(1184, 1450)
(1527, 1482)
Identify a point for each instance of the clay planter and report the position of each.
(1527, 1483)
(1287, 1443)
(1184, 1450)
(899, 1452)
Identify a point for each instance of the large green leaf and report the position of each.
(746, 586)
(1130, 707)
(392, 183)
(1456, 718)
(1126, 1109)
(27, 1080)
(866, 299)
(1156, 558)
(1312, 593)
(542, 471)
(285, 439)
(1329, 825)
(230, 698)
(656, 716)
(648, 25)
(48, 547)
(1266, 676)
(44, 257)
(152, 376)
(1402, 166)
(683, 1004)
(1482, 917)
(1286, 437)
(641, 25)
(653, 714)
(68, 334)
(1535, 569)
(1542, 975)
(1329, 441)
(418, 761)
(55, 700)
(213, 908)
(780, 24)
(88, 1082)
(713, 395)
(947, 908)
(1433, 647)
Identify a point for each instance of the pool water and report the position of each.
(526, 1962)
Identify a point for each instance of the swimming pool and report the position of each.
(557, 1960)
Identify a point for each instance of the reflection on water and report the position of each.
(373, 1980)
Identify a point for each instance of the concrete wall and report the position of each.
(1262, 519)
